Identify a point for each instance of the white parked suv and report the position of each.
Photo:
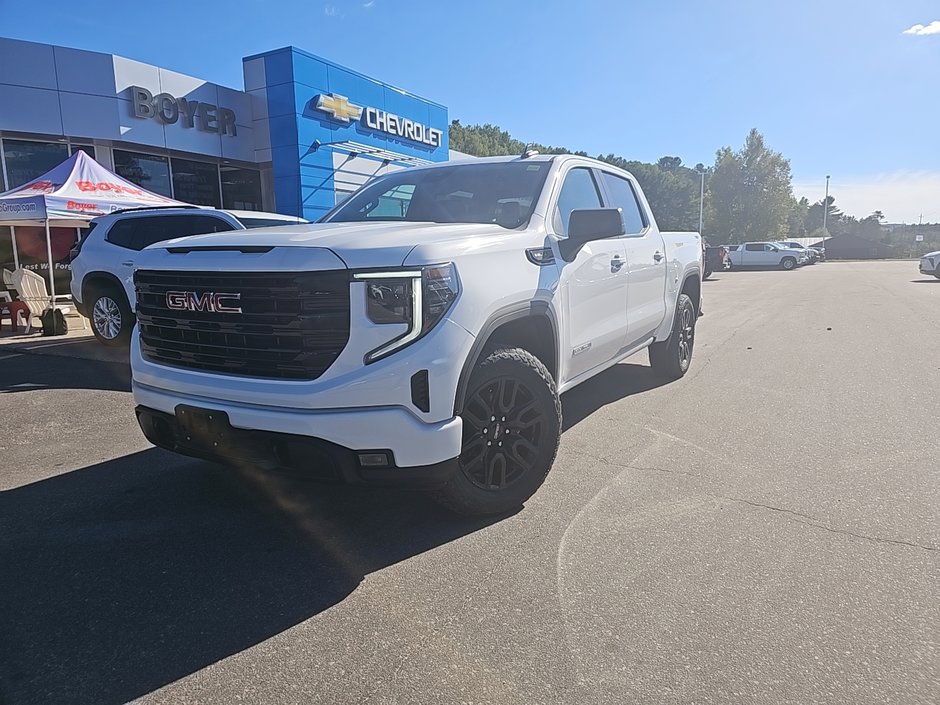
(930, 264)
(420, 333)
(103, 262)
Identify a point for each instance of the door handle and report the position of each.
(128, 263)
(616, 263)
(658, 256)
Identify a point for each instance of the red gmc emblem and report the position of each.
(213, 302)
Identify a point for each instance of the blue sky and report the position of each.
(838, 89)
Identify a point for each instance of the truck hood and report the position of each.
(359, 245)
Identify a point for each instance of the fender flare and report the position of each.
(507, 314)
(107, 276)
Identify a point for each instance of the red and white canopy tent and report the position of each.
(71, 195)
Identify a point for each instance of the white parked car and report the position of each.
(765, 254)
(421, 332)
(930, 264)
(103, 262)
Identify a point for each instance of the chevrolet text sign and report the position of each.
(339, 107)
(169, 110)
(382, 121)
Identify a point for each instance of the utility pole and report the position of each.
(825, 212)
(701, 205)
(921, 219)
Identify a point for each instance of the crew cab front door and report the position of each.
(646, 261)
(594, 283)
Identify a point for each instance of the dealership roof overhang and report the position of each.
(72, 194)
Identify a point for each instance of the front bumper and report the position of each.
(412, 442)
(305, 456)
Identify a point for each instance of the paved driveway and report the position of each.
(763, 531)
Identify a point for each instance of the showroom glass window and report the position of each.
(7, 261)
(86, 148)
(241, 189)
(27, 160)
(145, 170)
(196, 182)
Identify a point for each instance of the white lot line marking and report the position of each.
(53, 345)
(7, 357)
(683, 441)
(656, 513)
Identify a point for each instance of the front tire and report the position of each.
(111, 317)
(788, 263)
(511, 428)
(671, 358)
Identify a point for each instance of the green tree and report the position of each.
(796, 221)
(834, 217)
(751, 193)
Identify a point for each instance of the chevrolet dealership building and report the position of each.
(302, 135)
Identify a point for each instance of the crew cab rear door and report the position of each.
(646, 260)
(594, 284)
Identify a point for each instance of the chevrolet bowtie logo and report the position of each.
(339, 107)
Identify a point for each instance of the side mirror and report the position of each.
(774, 249)
(589, 224)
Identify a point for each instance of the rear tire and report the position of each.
(788, 263)
(511, 428)
(671, 358)
(111, 317)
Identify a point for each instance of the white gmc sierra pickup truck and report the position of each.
(420, 333)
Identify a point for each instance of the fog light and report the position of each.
(374, 460)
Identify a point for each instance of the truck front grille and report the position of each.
(292, 325)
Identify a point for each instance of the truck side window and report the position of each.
(623, 196)
(579, 191)
(755, 247)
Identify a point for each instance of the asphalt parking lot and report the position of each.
(763, 531)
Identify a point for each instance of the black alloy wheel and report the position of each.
(503, 427)
(511, 428)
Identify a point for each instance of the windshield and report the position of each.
(503, 193)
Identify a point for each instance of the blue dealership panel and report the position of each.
(317, 109)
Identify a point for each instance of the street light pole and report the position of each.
(825, 212)
(701, 205)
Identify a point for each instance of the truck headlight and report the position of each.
(418, 298)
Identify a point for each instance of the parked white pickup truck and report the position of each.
(420, 333)
(765, 254)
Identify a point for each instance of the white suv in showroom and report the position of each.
(103, 262)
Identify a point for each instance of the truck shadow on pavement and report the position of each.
(612, 385)
(125, 576)
(26, 372)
